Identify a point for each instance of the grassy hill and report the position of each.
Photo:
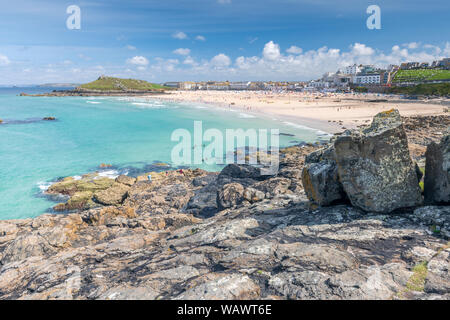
(437, 89)
(421, 75)
(118, 84)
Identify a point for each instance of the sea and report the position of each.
(131, 134)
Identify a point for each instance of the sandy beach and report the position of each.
(329, 112)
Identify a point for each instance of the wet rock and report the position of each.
(49, 118)
(230, 195)
(69, 186)
(79, 201)
(437, 172)
(375, 167)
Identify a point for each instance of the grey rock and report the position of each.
(241, 171)
(224, 287)
(321, 183)
(273, 186)
(375, 167)
(230, 195)
(437, 172)
(253, 195)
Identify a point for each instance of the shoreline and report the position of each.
(330, 113)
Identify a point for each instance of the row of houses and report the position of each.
(343, 79)
(242, 85)
(369, 75)
(442, 64)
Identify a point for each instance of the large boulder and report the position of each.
(241, 171)
(320, 177)
(375, 167)
(230, 195)
(437, 171)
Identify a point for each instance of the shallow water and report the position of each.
(129, 133)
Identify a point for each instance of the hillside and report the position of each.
(117, 84)
(429, 89)
(421, 75)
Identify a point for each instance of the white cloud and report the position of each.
(200, 38)
(84, 57)
(221, 61)
(253, 40)
(224, 1)
(271, 51)
(294, 50)
(362, 49)
(130, 47)
(268, 64)
(413, 45)
(182, 51)
(138, 61)
(180, 35)
(4, 61)
(189, 60)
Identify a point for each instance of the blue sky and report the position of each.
(212, 39)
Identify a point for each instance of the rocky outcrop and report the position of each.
(126, 180)
(170, 239)
(112, 196)
(370, 166)
(272, 249)
(375, 167)
(437, 171)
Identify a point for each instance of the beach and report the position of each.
(330, 112)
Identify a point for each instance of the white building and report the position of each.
(240, 85)
(354, 69)
(319, 84)
(372, 78)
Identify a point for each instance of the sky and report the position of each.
(235, 40)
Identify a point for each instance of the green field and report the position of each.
(117, 84)
(431, 89)
(421, 75)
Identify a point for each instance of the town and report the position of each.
(360, 78)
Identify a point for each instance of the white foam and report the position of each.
(93, 102)
(319, 132)
(245, 116)
(112, 174)
(43, 186)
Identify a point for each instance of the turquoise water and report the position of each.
(129, 133)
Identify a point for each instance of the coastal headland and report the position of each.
(108, 86)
